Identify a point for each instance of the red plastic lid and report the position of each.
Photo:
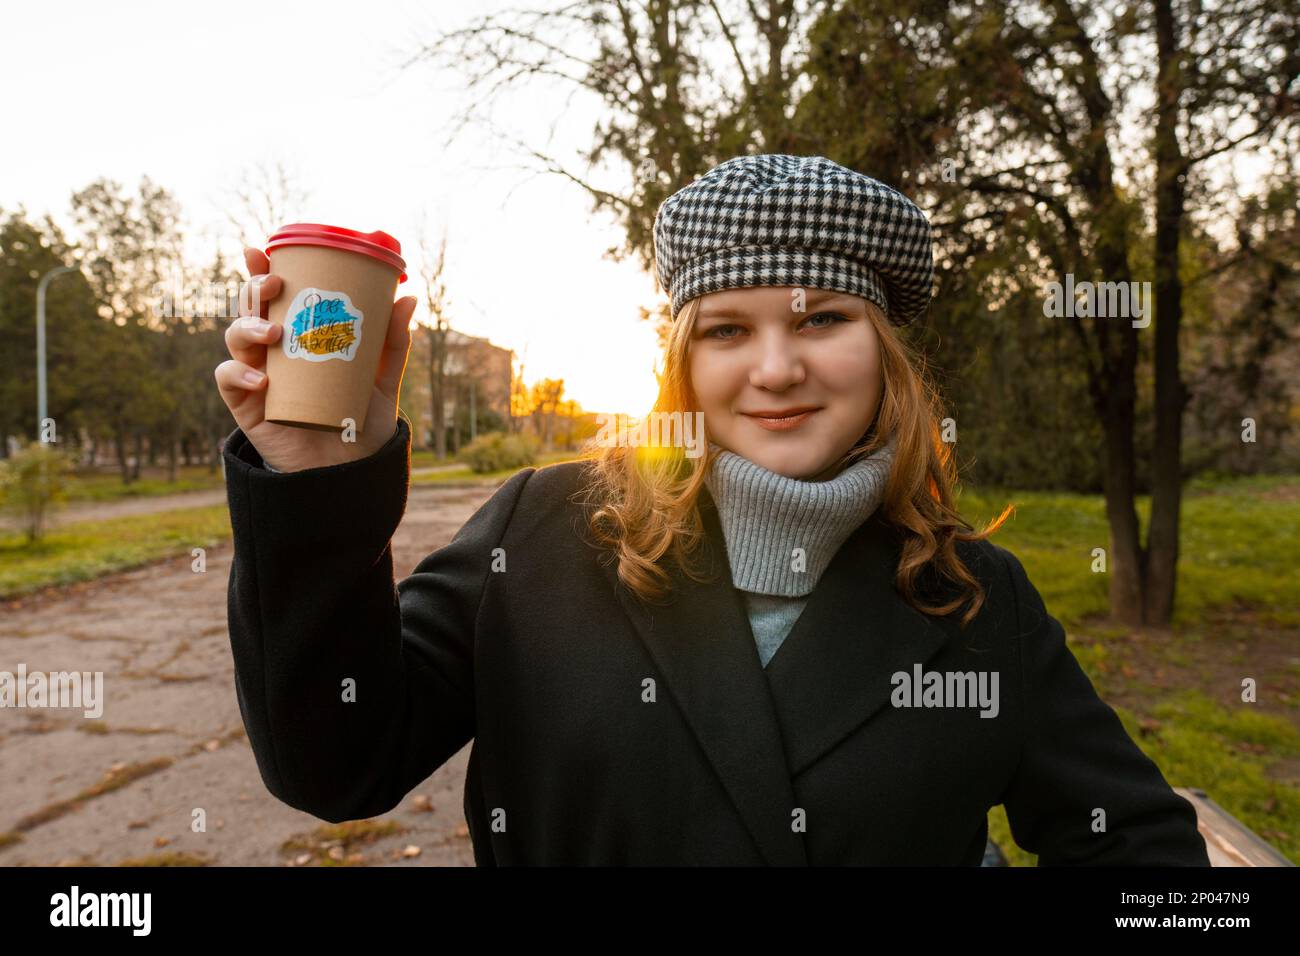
(377, 245)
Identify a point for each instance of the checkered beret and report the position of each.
(784, 220)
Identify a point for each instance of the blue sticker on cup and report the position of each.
(321, 325)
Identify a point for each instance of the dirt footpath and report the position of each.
(170, 742)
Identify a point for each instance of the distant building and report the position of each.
(476, 396)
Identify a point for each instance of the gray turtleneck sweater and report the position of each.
(782, 533)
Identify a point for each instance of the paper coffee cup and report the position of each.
(334, 309)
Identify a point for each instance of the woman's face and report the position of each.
(751, 352)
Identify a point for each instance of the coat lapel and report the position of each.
(833, 670)
(761, 727)
(705, 650)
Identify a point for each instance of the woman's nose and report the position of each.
(778, 366)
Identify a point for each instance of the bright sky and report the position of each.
(192, 95)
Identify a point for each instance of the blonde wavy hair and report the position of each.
(646, 510)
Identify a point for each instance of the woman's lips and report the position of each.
(783, 424)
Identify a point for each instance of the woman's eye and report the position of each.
(828, 315)
(712, 333)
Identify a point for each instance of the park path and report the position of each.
(171, 738)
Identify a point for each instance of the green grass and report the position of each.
(87, 549)
(1210, 482)
(1236, 547)
(107, 486)
(424, 458)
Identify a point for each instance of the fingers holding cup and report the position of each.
(242, 388)
(257, 292)
(397, 346)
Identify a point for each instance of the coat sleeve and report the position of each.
(352, 688)
(1077, 759)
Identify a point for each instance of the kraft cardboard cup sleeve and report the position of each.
(339, 289)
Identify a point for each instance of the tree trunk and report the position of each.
(119, 439)
(1170, 395)
(138, 459)
(437, 391)
(173, 447)
(1124, 564)
(1115, 398)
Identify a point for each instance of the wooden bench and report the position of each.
(1227, 839)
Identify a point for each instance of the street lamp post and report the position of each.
(40, 344)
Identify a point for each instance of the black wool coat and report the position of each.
(610, 732)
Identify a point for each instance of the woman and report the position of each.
(751, 656)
